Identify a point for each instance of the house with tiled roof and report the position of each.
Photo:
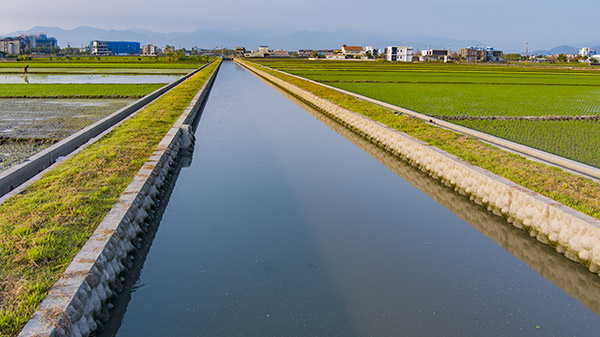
(353, 51)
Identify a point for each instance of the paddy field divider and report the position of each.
(77, 303)
(575, 281)
(549, 158)
(570, 232)
(20, 173)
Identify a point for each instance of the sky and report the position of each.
(510, 23)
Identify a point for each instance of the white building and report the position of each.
(148, 50)
(400, 54)
(585, 51)
(374, 52)
(99, 48)
(434, 55)
(263, 49)
(335, 56)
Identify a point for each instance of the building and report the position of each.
(119, 48)
(39, 42)
(472, 54)
(353, 51)
(28, 44)
(240, 51)
(281, 53)
(369, 50)
(481, 54)
(434, 55)
(306, 53)
(399, 53)
(334, 56)
(12, 45)
(149, 50)
(99, 48)
(263, 51)
(585, 51)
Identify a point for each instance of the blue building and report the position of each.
(118, 48)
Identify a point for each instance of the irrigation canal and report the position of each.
(281, 226)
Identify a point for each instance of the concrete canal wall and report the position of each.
(545, 157)
(571, 233)
(78, 302)
(18, 174)
(570, 277)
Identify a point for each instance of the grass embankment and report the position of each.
(45, 226)
(566, 188)
(68, 90)
(480, 97)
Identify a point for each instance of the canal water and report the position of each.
(281, 226)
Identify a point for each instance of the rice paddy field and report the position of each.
(556, 110)
(68, 97)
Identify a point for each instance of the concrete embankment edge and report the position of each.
(548, 158)
(78, 302)
(570, 232)
(575, 281)
(18, 174)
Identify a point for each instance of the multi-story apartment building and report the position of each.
(399, 53)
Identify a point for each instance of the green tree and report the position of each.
(562, 58)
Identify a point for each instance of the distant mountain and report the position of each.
(206, 38)
(211, 39)
(564, 50)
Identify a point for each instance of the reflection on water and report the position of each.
(86, 78)
(282, 227)
(571, 277)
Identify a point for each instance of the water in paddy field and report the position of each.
(281, 226)
(52, 118)
(29, 125)
(86, 78)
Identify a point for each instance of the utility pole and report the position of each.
(526, 52)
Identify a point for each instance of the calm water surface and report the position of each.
(86, 79)
(283, 227)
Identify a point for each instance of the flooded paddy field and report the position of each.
(133, 71)
(281, 226)
(47, 102)
(14, 151)
(30, 125)
(86, 78)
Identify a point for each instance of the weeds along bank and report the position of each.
(577, 282)
(47, 109)
(550, 109)
(44, 227)
(575, 234)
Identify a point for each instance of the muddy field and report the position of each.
(30, 125)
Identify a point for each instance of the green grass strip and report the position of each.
(45, 226)
(569, 189)
(39, 90)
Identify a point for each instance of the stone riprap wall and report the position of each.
(572, 233)
(79, 301)
(565, 274)
(20, 173)
(546, 157)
